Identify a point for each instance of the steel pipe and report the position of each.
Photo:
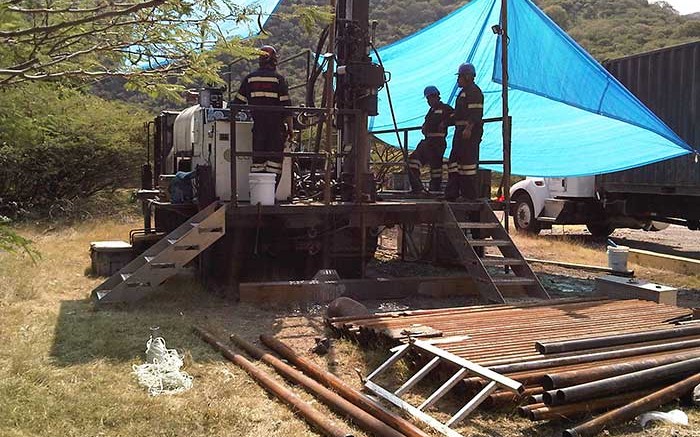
(503, 398)
(341, 387)
(524, 410)
(314, 417)
(592, 406)
(552, 381)
(632, 410)
(617, 384)
(363, 420)
(595, 356)
(535, 399)
(614, 340)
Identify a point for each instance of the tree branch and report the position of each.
(47, 29)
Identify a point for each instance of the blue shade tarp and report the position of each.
(570, 116)
(262, 10)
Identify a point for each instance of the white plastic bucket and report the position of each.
(617, 258)
(262, 188)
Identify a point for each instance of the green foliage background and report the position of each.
(59, 143)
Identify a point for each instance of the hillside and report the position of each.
(606, 28)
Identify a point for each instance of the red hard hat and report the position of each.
(270, 53)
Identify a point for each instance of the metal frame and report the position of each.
(438, 355)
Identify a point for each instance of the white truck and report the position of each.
(538, 203)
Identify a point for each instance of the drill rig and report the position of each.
(235, 242)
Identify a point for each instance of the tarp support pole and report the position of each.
(506, 117)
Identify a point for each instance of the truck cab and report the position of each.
(538, 203)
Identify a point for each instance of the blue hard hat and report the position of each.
(431, 90)
(467, 68)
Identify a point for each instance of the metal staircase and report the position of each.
(480, 228)
(164, 259)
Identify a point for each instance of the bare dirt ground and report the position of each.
(674, 240)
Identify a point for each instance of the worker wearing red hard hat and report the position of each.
(431, 149)
(468, 117)
(266, 87)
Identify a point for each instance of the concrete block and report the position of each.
(616, 287)
(108, 257)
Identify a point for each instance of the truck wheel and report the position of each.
(600, 229)
(524, 215)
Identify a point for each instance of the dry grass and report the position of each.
(581, 250)
(65, 369)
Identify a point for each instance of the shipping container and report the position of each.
(667, 81)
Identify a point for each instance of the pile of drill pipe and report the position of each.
(574, 357)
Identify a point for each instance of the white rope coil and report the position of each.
(161, 373)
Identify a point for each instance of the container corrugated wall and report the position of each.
(668, 82)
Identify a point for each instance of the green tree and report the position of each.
(12, 242)
(152, 43)
(559, 15)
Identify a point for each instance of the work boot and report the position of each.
(468, 187)
(414, 179)
(435, 184)
(452, 189)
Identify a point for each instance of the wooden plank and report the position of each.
(284, 292)
(678, 264)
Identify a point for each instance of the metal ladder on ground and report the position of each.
(438, 356)
(164, 259)
(480, 228)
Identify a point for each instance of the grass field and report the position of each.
(65, 368)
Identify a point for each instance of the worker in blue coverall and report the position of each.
(431, 149)
(468, 117)
(265, 86)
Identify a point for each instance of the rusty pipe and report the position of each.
(524, 410)
(614, 340)
(341, 387)
(363, 420)
(632, 410)
(503, 398)
(552, 381)
(535, 377)
(617, 384)
(594, 356)
(591, 406)
(314, 417)
(535, 399)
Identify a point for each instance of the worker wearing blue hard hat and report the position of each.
(431, 149)
(463, 164)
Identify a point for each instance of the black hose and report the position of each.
(391, 109)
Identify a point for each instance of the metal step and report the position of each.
(502, 261)
(485, 242)
(163, 265)
(513, 281)
(547, 219)
(478, 225)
